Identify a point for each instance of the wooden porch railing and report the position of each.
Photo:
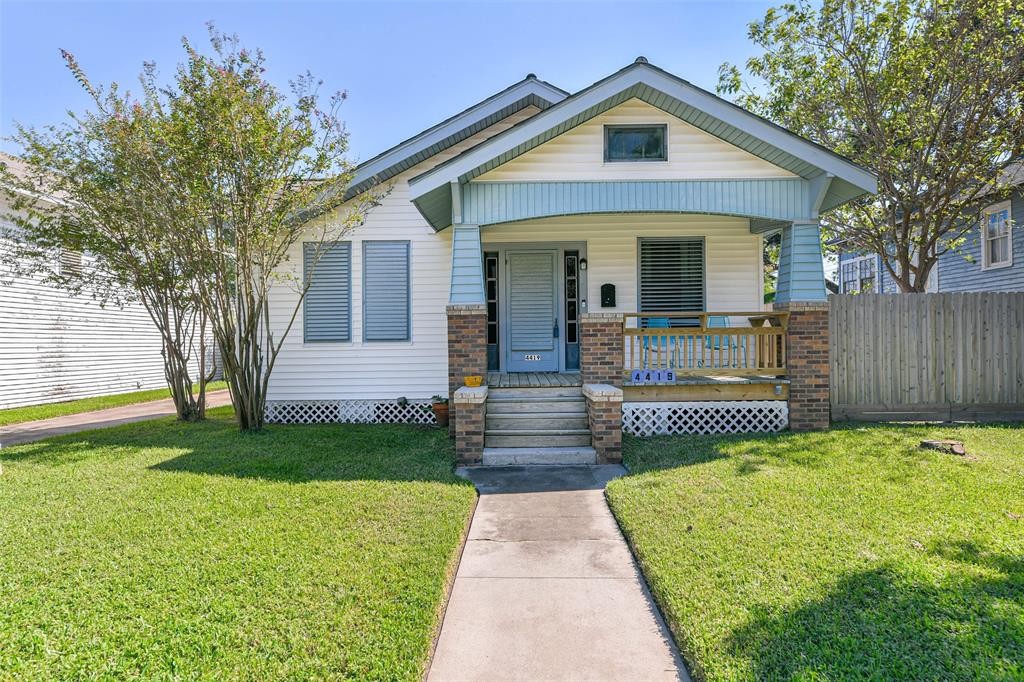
(706, 343)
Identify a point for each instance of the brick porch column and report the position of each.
(807, 357)
(467, 350)
(601, 348)
(469, 431)
(604, 412)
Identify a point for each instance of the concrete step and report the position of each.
(529, 421)
(538, 392)
(536, 438)
(536, 405)
(512, 456)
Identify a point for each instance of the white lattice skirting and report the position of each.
(720, 416)
(349, 411)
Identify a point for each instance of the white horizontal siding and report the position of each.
(359, 369)
(732, 255)
(418, 369)
(56, 347)
(579, 154)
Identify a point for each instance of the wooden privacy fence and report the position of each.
(927, 356)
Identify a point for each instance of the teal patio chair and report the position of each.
(726, 343)
(666, 342)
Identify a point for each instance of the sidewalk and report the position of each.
(547, 588)
(27, 432)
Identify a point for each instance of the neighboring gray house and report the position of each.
(992, 259)
(56, 347)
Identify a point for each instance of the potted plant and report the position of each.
(440, 406)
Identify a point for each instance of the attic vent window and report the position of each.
(635, 143)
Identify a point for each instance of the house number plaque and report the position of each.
(531, 357)
(653, 376)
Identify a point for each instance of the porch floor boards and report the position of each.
(533, 379)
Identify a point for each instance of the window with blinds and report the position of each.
(672, 276)
(327, 308)
(386, 291)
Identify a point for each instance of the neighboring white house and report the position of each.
(537, 236)
(56, 347)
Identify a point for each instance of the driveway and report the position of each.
(27, 432)
(547, 588)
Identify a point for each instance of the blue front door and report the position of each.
(533, 343)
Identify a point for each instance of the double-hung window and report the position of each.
(859, 275)
(635, 143)
(386, 291)
(327, 308)
(996, 242)
(672, 276)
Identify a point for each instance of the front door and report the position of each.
(533, 343)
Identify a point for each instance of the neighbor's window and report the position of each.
(996, 246)
(859, 275)
(635, 143)
(70, 263)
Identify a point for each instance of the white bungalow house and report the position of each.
(595, 256)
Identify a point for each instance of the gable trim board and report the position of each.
(431, 192)
(529, 92)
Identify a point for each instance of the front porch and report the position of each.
(599, 306)
(643, 374)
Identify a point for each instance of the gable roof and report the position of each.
(657, 87)
(530, 91)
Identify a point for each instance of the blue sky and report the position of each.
(406, 66)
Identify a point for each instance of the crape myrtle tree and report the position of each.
(96, 185)
(265, 175)
(925, 93)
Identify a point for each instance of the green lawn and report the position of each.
(166, 550)
(15, 415)
(848, 554)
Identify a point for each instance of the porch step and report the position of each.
(510, 456)
(536, 392)
(538, 405)
(535, 438)
(547, 420)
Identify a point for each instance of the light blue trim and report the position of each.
(467, 265)
(673, 95)
(487, 203)
(801, 272)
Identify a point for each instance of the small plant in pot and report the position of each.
(440, 407)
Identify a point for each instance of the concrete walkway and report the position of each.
(27, 432)
(547, 588)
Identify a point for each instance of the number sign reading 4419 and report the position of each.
(653, 376)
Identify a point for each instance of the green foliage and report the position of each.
(192, 198)
(15, 415)
(99, 184)
(847, 554)
(259, 173)
(167, 550)
(928, 94)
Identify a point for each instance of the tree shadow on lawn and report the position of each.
(754, 452)
(293, 453)
(885, 623)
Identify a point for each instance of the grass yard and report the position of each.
(848, 554)
(162, 550)
(29, 413)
